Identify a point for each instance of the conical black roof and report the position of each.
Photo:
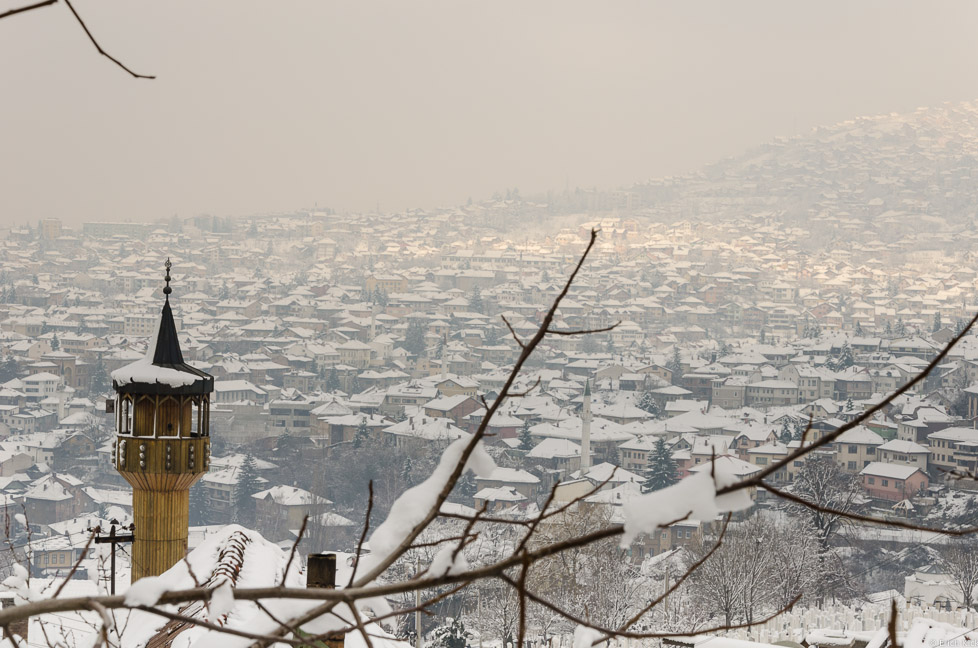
(167, 352)
(138, 378)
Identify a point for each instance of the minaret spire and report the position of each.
(166, 289)
(586, 429)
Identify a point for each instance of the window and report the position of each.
(761, 461)
(871, 480)
(853, 449)
(852, 465)
(885, 482)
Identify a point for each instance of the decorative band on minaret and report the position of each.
(162, 444)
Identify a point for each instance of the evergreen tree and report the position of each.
(901, 328)
(889, 329)
(332, 380)
(407, 470)
(55, 343)
(526, 441)
(589, 344)
(675, 365)
(100, 378)
(8, 369)
(849, 404)
(937, 322)
(845, 360)
(661, 471)
(362, 433)
(414, 338)
(492, 336)
(465, 487)
(786, 433)
(799, 430)
(647, 403)
(248, 484)
(355, 386)
(859, 329)
(476, 303)
(199, 508)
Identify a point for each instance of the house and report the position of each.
(954, 449)
(856, 448)
(521, 481)
(904, 452)
(893, 482)
(282, 508)
(454, 407)
(499, 499)
(53, 498)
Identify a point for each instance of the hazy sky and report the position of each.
(269, 106)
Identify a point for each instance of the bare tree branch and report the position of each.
(27, 8)
(99, 47)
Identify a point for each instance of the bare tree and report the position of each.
(832, 493)
(959, 560)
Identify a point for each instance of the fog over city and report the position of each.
(496, 325)
(425, 104)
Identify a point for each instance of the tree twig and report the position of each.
(99, 47)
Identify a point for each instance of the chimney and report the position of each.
(321, 574)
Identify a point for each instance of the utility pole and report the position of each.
(112, 540)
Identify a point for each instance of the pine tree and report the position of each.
(889, 329)
(8, 370)
(675, 365)
(332, 380)
(786, 434)
(362, 433)
(845, 360)
(100, 378)
(526, 441)
(199, 508)
(859, 329)
(937, 322)
(492, 336)
(799, 430)
(849, 404)
(647, 403)
(476, 303)
(55, 343)
(355, 386)
(248, 484)
(414, 338)
(661, 471)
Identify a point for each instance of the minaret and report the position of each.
(162, 444)
(586, 429)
